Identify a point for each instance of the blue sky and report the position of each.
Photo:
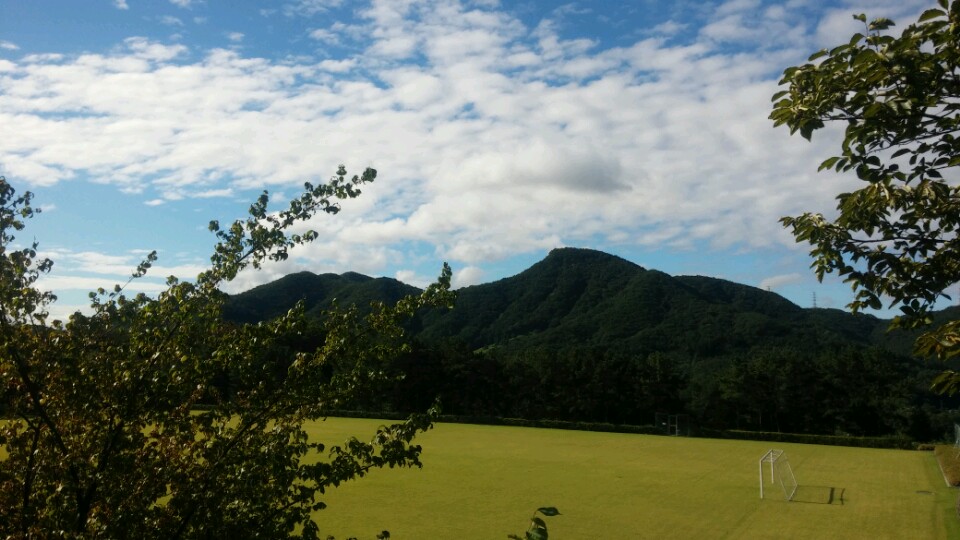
(500, 130)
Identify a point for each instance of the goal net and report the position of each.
(780, 473)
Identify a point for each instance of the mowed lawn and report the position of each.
(483, 482)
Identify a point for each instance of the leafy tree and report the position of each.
(103, 438)
(897, 98)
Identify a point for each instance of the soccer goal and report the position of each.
(673, 424)
(780, 473)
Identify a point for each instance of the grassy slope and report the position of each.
(483, 482)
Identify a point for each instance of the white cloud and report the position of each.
(9, 46)
(775, 282)
(492, 137)
(92, 262)
(143, 48)
(411, 277)
(235, 37)
(336, 66)
(182, 3)
(737, 6)
(211, 193)
(324, 35)
(85, 284)
(88, 270)
(467, 276)
(668, 28)
(170, 20)
(42, 58)
(309, 8)
(121, 4)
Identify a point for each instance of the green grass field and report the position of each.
(483, 482)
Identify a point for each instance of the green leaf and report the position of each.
(947, 382)
(537, 534)
(881, 23)
(829, 163)
(931, 14)
(549, 511)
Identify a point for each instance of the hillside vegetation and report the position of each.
(584, 335)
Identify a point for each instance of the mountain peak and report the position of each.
(568, 257)
(575, 254)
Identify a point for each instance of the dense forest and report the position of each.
(587, 336)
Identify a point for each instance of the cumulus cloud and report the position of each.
(81, 283)
(120, 4)
(467, 276)
(309, 8)
(493, 136)
(324, 35)
(9, 46)
(76, 273)
(775, 282)
(411, 277)
(170, 20)
(105, 264)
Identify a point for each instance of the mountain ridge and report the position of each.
(577, 297)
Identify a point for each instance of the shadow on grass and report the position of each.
(818, 495)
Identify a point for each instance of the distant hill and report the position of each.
(318, 292)
(587, 298)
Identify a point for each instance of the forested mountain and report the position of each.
(584, 335)
(589, 298)
(586, 298)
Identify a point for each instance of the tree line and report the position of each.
(848, 390)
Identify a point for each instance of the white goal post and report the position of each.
(780, 473)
